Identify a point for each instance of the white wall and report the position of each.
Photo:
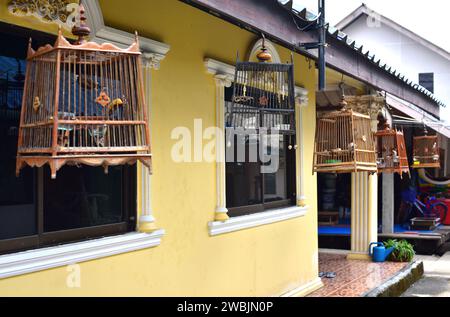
(405, 55)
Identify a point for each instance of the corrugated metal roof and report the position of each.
(303, 13)
(418, 114)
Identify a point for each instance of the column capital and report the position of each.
(223, 80)
(371, 104)
(223, 73)
(152, 60)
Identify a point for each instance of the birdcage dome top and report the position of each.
(343, 113)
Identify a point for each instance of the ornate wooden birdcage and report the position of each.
(426, 151)
(344, 143)
(263, 96)
(83, 104)
(391, 152)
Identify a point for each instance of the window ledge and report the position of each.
(44, 259)
(256, 220)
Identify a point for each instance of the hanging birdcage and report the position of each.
(391, 152)
(426, 152)
(83, 104)
(344, 143)
(263, 96)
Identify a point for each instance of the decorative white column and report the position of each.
(223, 77)
(221, 213)
(388, 189)
(365, 192)
(301, 101)
(146, 219)
(364, 214)
(388, 203)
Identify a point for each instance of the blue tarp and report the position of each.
(346, 230)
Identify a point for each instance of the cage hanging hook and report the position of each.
(343, 102)
(82, 30)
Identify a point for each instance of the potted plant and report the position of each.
(403, 251)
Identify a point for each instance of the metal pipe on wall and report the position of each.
(322, 46)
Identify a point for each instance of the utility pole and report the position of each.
(322, 46)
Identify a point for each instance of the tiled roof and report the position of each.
(344, 38)
(307, 16)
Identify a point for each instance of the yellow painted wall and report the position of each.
(264, 261)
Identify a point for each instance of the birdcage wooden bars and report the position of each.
(83, 104)
(426, 152)
(344, 143)
(391, 152)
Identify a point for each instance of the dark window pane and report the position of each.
(426, 80)
(244, 176)
(17, 207)
(80, 197)
(256, 185)
(83, 197)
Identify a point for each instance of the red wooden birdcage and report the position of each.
(344, 143)
(83, 104)
(391, 152)
(426, 152)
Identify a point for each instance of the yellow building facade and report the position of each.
(272, 256)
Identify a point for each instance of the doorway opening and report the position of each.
(334, 201)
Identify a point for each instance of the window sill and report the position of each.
(48, 258)
(256, 220)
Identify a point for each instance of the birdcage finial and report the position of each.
(264, 56)
(30, 51)
(81, 30)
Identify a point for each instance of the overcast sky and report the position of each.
(430, 18)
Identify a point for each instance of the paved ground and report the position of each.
(353, 278)
(436, 282)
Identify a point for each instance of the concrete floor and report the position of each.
(436, 282)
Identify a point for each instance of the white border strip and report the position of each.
(256, 220)
(44, 259)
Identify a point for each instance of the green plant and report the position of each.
(403, 251)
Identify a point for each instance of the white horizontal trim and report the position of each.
(215, 67)
(256, 220)
(101, 32)
(48, 258)
(125, 39)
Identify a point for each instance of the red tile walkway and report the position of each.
(354, 277)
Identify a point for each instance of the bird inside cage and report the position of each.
(84, 103)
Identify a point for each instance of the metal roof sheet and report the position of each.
(335, 33)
